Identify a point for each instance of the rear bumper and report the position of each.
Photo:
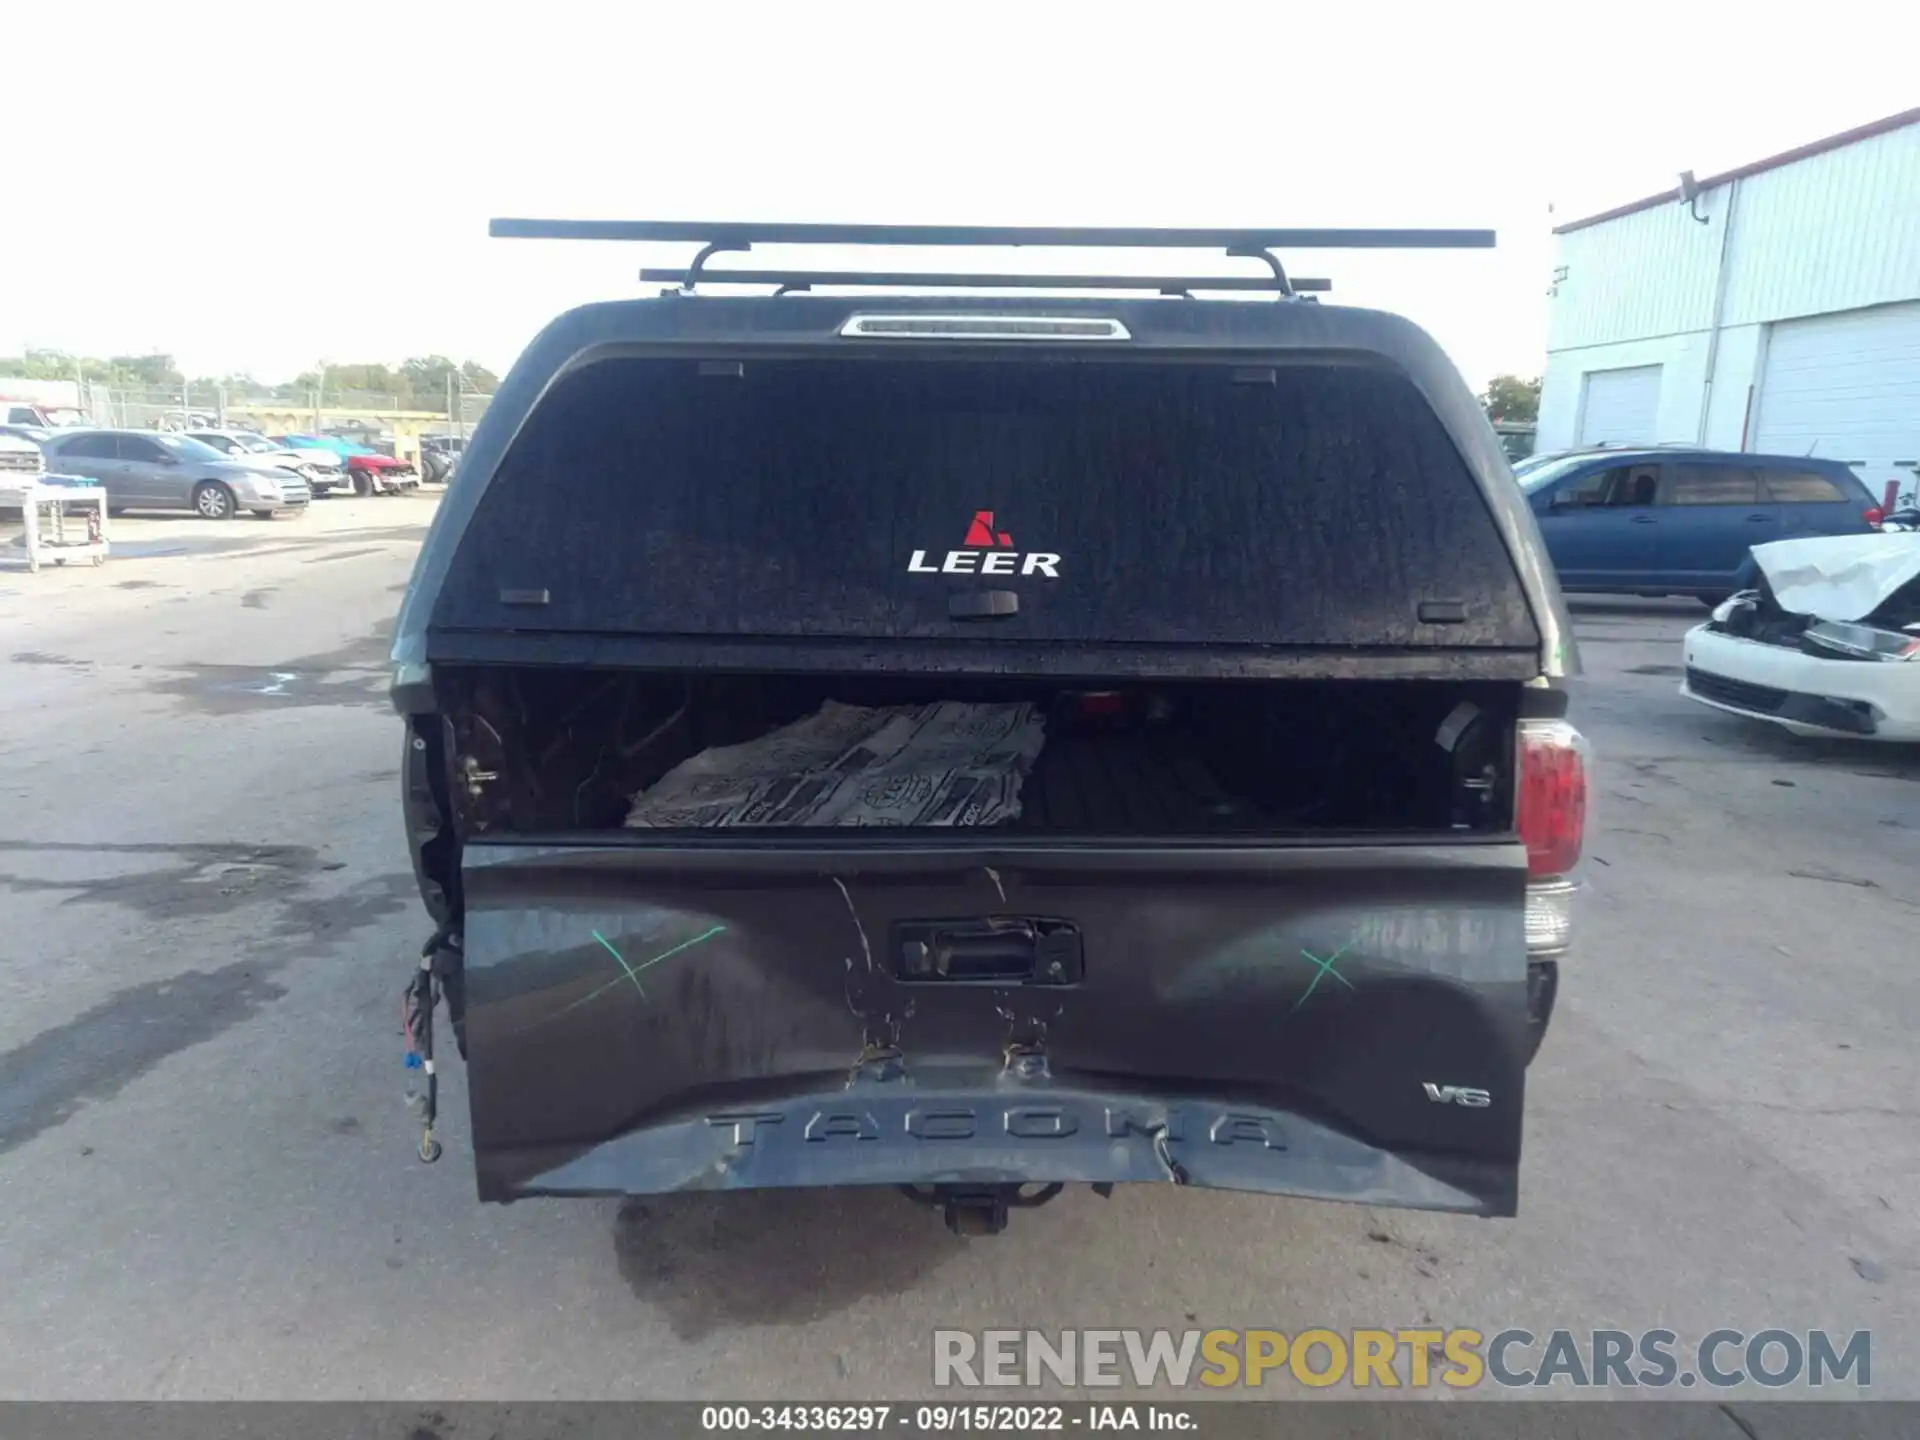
(992, 1127)
(1805, 694)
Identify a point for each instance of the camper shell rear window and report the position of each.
(1133, 499)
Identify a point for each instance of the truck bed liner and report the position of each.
(1126, 784)
(1230, 759)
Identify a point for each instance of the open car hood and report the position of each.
(1839, 577)
(319, 459)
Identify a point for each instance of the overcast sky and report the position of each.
(258, 188)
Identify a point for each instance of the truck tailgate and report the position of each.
(1334, 1020)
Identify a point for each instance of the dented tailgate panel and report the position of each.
(1337, 1021)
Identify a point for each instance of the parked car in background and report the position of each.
(1531, 463)
(185, 420)
(1827, 644)
(376, 438)
(1516, 438)
(19, 454)
(1522, 468)
(1668, 521)
(35, 433)
(321, 469)
(440, 456)
(44, 417)
(21, 466)
(320, 452)
(371, 472)
(153, 470)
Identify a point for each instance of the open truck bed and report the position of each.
(1280, 905)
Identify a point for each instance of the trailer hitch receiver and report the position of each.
(978, 1210)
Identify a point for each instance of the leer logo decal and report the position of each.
(987, 550)
(982, 535)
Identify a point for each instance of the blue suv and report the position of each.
(1667, 521)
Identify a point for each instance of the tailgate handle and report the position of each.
(1001, 950)
(982, 604)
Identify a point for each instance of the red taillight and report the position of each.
(1552, 804)
(1873, 516)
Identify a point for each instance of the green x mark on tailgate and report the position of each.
(1326, 969)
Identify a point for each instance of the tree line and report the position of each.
(419, 383)
(1509, 398)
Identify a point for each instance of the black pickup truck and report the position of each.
(1279, 905)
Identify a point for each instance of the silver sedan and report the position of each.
(151, 470)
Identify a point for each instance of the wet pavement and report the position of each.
(207, 1166)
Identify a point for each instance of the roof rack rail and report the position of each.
(795, 281)
(717, 236)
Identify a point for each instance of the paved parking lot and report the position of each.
(208, 1182)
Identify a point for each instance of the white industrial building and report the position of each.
(1775, 308)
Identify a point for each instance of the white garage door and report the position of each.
(1847, 387)
(1620, 406)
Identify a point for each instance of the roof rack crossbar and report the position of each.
(790, 281)
(735, 234)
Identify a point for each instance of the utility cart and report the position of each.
(54, 531)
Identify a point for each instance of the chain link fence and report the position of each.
(189, 407)
(392, 423)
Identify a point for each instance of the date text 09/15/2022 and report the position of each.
(945, 1419)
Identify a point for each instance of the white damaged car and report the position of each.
(321, 469)
(1829, 644)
